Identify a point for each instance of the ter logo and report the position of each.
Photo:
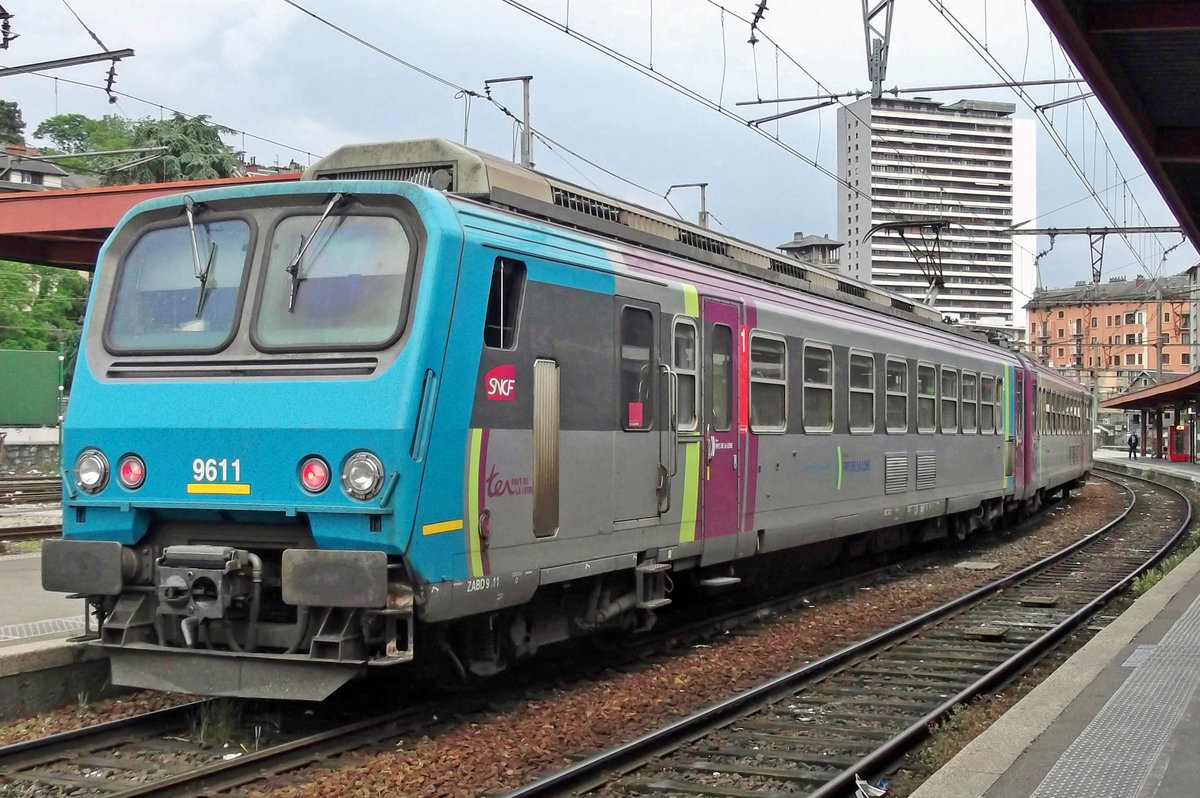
(501, 383)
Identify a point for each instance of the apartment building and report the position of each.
(1114, 335)
(968, 167)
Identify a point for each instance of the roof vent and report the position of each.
(592, 207)
(853, 290)
(437, 176)
(701, 241)
(790, 269)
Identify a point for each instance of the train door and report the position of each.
(1015, 442)
(721, 466)
(1033, 432)
(637, 470)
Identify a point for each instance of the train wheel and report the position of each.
(960, 528)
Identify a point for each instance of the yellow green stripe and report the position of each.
(691, 300)
(839, 482)
(223, 489)
(474, 554)
(691, 491)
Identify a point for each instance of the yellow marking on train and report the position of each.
(691, 300)
(691, 491)
(442, 526)
(219, 488)
(474, 551)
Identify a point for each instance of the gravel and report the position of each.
(510, 748)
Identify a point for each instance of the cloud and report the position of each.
(276, 72)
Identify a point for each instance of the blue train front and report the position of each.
(249, 431)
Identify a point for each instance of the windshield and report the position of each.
(158, 301)
(346, 287)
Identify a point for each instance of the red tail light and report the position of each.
(131, 471)
(314, 475)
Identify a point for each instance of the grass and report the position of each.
(964, 723)
(215, 723)
(20, 546)
(1152, 577)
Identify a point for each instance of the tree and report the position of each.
(78, 133)
(12, 126)
(41, 309)
(194, 151)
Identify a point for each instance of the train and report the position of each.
(425, 409)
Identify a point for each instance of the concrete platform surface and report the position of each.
(27, 611)
(1119, 719)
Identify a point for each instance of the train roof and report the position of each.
(443, 165)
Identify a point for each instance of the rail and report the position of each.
(626, 759)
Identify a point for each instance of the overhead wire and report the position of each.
(676, 86)
(153, 104)
(1058, 140)
(91, 32)
(464, 91)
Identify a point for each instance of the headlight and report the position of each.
(91, 471)
(131, 471)
(362, 475)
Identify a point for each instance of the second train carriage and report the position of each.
(343, 422)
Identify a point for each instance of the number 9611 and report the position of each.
(214, 470)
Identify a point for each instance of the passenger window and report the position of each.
(970, 400)
(862, 393)
(685, 368)
(926, 399)
(987, 404)
(949, 400)
(722, 368)
(768, 384)
(1019, 421)
(504, 304)
(818, 389)
(897, 396)
(637, 369)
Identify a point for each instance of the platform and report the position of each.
(1119, 719)
(27, 612)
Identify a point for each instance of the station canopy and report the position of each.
(1142, 59)
(1168, 394)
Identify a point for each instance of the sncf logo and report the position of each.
(501, 383)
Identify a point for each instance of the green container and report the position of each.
(28, 389)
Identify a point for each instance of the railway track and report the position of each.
(156, 754)
(768, 748)
(33, 532)
(31, 490)
(813, 731)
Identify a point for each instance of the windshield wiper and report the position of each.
(201, 271)
(293, 268)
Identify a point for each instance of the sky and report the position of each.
(295, 88)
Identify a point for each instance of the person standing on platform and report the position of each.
(1133, 442)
